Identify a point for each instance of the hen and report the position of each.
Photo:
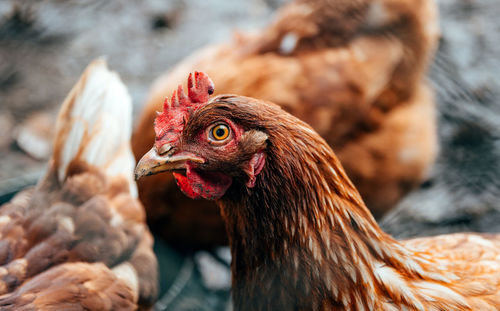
(354, 71)
(78, 240)
(301, 237)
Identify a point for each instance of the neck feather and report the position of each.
(302, 237)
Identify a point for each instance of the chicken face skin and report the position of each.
(209, 176)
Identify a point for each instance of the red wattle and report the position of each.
(254, 168)
(207, 185)
(185, 186)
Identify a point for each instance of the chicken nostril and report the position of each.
(164, 149)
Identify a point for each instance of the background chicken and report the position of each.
(78, 240)
(301, 237)
(354, 70)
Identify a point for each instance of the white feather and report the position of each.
(95, 125)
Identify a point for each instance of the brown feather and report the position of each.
(71, 286)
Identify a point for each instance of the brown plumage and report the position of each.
(354, 70)
(71, 286)
(301, 237)
(78, 240)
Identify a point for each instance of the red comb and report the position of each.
(170, 123)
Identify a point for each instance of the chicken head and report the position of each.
(224, 143)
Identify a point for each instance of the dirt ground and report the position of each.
(45, 45)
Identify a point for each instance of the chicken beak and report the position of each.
(153, 163)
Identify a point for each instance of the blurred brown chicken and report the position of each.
(354, 70)
(78, 240)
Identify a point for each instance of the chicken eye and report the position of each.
(220, 132)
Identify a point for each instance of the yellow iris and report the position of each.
(220, 132)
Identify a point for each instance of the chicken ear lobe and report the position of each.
(254, 167)
(253, 142)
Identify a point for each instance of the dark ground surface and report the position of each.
(45, 45)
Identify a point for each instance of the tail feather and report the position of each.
(94, 125)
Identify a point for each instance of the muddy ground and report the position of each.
(45, 45)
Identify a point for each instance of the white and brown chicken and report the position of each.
(78, 240)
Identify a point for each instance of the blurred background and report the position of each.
(44, 46)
